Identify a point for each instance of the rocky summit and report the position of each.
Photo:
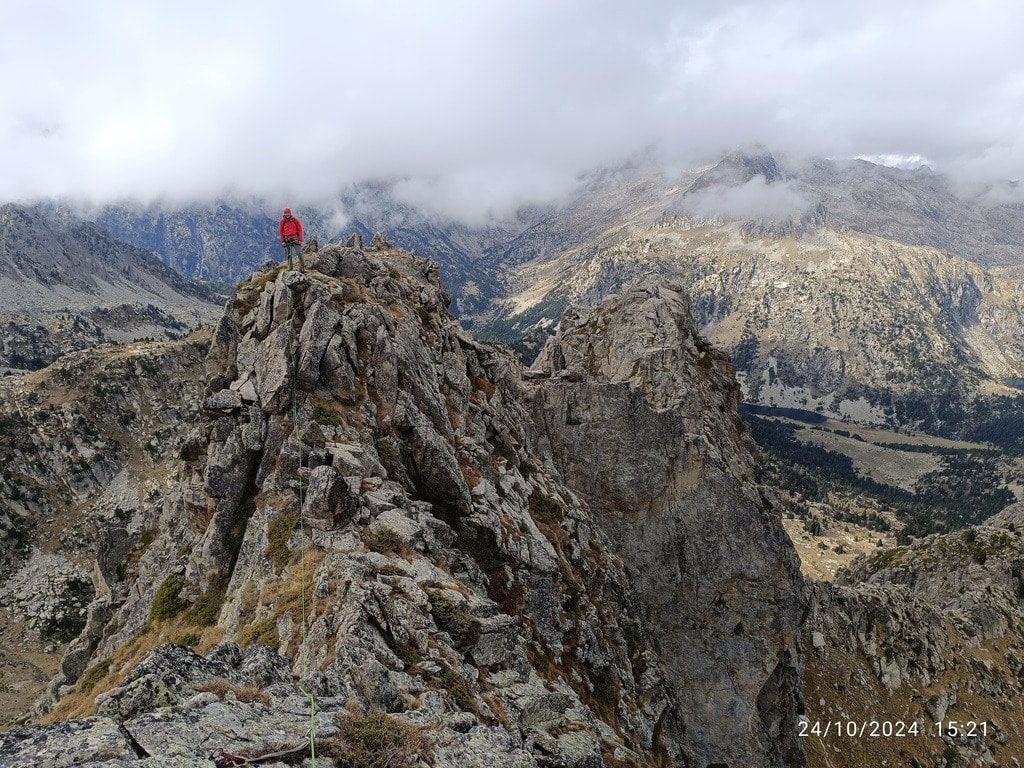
(384, 541)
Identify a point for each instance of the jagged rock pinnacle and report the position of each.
(371, 508)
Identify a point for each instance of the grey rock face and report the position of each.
(88, 742)
(226, 400)
(443, 567)
(324, 497)
(640, 417)
(423, 572)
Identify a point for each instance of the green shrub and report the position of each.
(205, 610)
(93, 675)
(167, 602)
(189, 639)
(279, 531)
(463, 628)
(458, 689)
(261, 633)
(324, 415)
(384, 541)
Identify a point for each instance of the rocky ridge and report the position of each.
(449, 577)
(925, 633)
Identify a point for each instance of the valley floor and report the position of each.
(822, 555)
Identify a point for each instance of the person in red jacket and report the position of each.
(290, 231)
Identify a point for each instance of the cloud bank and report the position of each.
(754, 199)
(479, 107)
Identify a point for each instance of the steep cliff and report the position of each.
(81, 442)
(638, 412)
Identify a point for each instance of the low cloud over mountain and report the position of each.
(480, 108)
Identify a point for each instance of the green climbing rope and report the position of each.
(293, 353)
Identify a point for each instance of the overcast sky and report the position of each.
(479, 106)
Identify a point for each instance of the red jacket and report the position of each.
(290, 227)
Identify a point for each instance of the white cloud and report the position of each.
(477, 107)
(755, 199)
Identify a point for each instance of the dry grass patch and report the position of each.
(481, 384)
(284, 595)
(471, 475)
(376, 740)
(243, 693)
(108, 673)
(248, 295)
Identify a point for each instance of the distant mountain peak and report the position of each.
(67, 283)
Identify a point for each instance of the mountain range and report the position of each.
(662, 474)
(899, 290)
(66, 284)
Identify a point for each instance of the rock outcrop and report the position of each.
(923, 634)
(639, 414)
(398, 544)
(374, 514)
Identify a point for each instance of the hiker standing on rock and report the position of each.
(290, 230)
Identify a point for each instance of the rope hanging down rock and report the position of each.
(293, 355)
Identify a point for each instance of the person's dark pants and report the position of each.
(289, 245)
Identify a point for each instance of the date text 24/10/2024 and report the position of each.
(891, 728)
